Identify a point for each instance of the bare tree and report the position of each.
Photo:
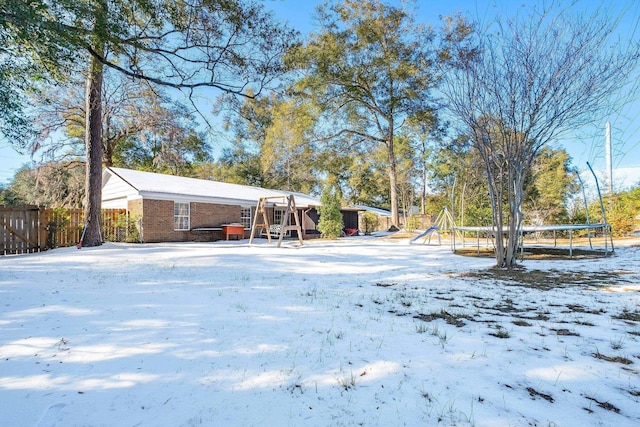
(532, 79)
(140, 123)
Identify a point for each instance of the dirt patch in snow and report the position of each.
(537, 253)
(549, 279)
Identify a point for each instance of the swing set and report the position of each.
(276, 230)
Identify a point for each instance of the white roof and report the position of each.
(151, 185)
(377, 211)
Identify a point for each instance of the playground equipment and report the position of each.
(427, 234)
(278, 229)
(444, 223)
(604, 228)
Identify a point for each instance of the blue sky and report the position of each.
(587, 146)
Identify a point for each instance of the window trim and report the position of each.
(178, 215)
(249, 218)
(279, 211)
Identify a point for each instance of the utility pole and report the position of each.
(608, 158)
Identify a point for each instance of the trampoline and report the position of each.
(592, 229)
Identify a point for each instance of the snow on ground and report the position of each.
(359, 331)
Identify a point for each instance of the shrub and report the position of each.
(123, 229)
(60, 219)
(330, 224)
(413, 223)
(370, 222)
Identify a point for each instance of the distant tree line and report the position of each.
(390, 112)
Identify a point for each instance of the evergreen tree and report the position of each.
(330, 224)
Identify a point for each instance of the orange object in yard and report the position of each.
(233, 230)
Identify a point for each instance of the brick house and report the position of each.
(176, 209)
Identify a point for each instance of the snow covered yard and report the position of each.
(360, 331)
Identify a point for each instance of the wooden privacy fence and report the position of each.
(21, 230)
(27, 229)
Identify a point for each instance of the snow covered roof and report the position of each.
(151, 185)
(377, 211)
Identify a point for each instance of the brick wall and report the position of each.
(211, 215)
(205, 215)
(157, 220)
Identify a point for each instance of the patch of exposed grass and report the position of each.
(348, 382)
(538, 253)
(500, 332)
(506, 308)
(534, 393)
(539, 316)
(547, 280)
(583, 323)
(453, 305)
(577, 308)
(633, 316)
(521, 323)
(421, 328)
(616, 359)
(385, 285)
(617, 344)
(566, 332)
(451, 319)
(604, 405)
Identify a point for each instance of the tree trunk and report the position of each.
(393, 180)
(93, 145)
(495, 196)
(516, 196)
(93, 142)
(109, 142)
(506, 186)
(423, 189)
(93, 132)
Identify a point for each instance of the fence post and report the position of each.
(42, 229)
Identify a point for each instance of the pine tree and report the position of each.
(330, 224)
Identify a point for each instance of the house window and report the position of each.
(277, 216)
(181, 216)
(245, 217)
